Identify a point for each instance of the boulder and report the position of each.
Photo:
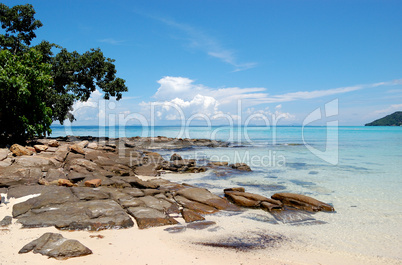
(93, 183)
(61, 153)
(190, 216)
(56, 246)
(65, 182)
(53, 143)
(175, 157)
(92, 146)
(91, 215)
(302, 202)
(240, 166)
(218, 164)
(40, 148)
(19, 150)
(149, 217)
(206, 197)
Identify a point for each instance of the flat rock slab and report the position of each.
(56, 246)
(52, 195)
(149, 217)
(82, 215)
(87, 194)
(6, 221)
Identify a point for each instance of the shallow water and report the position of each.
(364, 183)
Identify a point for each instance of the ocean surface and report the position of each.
(356, 169)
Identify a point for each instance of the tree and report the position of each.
(73, 76)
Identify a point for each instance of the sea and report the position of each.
(358, 170)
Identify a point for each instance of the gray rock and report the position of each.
(83, 215)
(61, 153)
(149, 217)
(6, 162)
(55, 174)
(32, 161)
(87, 194)
(134, 192)
(159, 204)
(6, 221)
(56, 246)
(88, 165)
(195, 206)
(24, 190)
(52, 195)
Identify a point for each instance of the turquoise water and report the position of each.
(363, 179)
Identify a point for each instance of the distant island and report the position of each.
(394, 119)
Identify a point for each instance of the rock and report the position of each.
(149, 217)
(87, 194)
(200, 225)
(61, 153)
(218, 164)
(53, 143)
(49, 195)
(83, 144)
(76, 177)
(292, 216)
(175, 157)
(159, 204)
(242, 201)
(92, 146)
(191, 216)
(19, 150)
(56, 246)
(195, 206)
(142, 184)
(88, 165)
(302, 202)
(6, 221)
(133, 192)
(6, 162)
(32, 161)
(240, 189)
(93, 183)
(55, 174)
(75, 148)
(269, 206)
(241, 166)
(234, 195)
(206, 197)
(82, 215)
(4, 154)
(40, 148)
(65, 182)
(24, 190)
(147, 170)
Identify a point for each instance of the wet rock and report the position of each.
(149, 217)
(91, 215)
(241, 166)
(195, 206)
(6, 221)
(302, 202)
(267, 206)
(206, 197)
(200, 225)
(292, 216)
(242, 201)
(175, 157)
(56, 246)
(19, 150)
(40, 148)
(93, 183)
(49, 196)
(218, 164)
(190, 216)
(250, 196)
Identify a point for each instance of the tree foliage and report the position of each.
(66, 77)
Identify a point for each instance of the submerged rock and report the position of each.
(302, 202)
(56, 246)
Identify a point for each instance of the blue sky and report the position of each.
(224, 60)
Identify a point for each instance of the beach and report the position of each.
(364, 229)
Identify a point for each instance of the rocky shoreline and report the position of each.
(88, 183)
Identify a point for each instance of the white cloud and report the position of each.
(392, 108)
(198, 39)
(112, 41)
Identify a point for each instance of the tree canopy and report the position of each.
(38, 86)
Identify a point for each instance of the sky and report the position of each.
(221, 62)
